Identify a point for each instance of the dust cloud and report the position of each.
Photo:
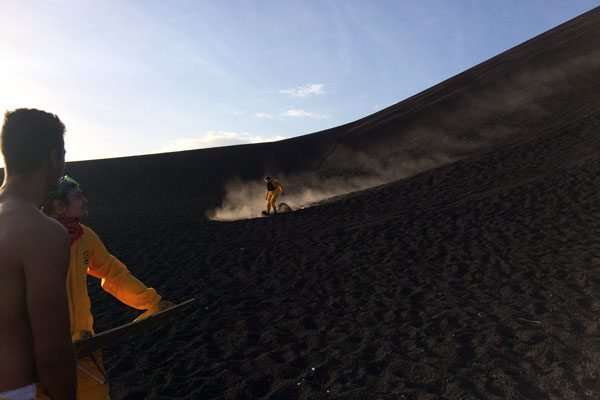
(480, 120)
(246, 199)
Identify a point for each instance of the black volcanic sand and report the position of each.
(476, 280)
(473, 272)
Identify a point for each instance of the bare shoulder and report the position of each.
(33, 225)
(27, 232)
(48, 234)
(50, 227)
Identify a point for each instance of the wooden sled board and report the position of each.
(111, 337)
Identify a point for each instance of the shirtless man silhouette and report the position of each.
(35, 337)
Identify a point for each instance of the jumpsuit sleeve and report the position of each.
(117, 280)
(279, 186)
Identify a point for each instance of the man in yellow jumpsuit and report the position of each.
(273, 189)
(89, 256)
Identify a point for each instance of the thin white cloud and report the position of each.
(302, 114)
(216, 139)
(304, 91)
(296, 113)
(264, 115)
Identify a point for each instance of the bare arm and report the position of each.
(46, 265)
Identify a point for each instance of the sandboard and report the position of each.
(281, 208)
(111, 337)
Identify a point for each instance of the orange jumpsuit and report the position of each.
(89, 256)
(272, 195)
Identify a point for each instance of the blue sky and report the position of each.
(137, 77)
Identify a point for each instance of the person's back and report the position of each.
(35, 340)
(23, 232)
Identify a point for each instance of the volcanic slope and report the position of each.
(478, 279)
(469, 269)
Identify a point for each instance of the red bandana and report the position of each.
(72, 224)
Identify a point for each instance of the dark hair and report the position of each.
(28, 137)
(59, 194)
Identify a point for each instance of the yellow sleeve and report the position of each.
(279, 186)
(116, 278)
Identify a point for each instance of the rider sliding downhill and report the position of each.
(273, 189)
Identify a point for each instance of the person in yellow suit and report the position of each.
(273, 189)
(89, 256)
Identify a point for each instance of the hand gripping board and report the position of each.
(111, 337)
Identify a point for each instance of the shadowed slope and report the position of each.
(473, 279)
